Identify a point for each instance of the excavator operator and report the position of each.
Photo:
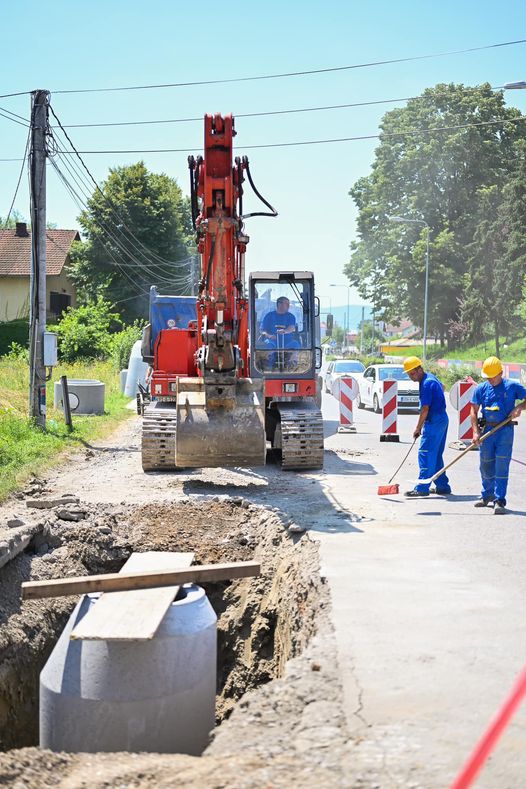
(277, 330)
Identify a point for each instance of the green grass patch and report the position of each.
(513, 352)
(25, 449)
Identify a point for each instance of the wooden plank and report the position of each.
(113, 582)
(133, 615)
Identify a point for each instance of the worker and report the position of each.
(496, 397)
(432, 427)
(277, 330)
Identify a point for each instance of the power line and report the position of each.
(296, 73)
(16, 115)
(18, 182)
(138, 243)
(14, 120)
(382, 135)
(259, 114)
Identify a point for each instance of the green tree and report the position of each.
(439, 176)
(137, 230)
(87, 331)
(497, 263)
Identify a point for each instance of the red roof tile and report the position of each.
(15, 252)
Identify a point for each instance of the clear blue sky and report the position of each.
(66, 45)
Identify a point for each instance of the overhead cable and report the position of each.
(297, 73)
(8, 217)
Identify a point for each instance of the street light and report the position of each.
(348, 327)
(515, 86)
(405, 220)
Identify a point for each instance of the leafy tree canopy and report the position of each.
(442, 177)
(137, 230)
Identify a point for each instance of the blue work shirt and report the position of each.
(432, 395)
(497, 402)
(274, 321)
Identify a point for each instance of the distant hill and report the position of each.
(355, 315)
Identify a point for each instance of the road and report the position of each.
(428, 600)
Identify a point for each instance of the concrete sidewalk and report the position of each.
(428, 599)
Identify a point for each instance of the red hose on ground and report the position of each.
(486, 744)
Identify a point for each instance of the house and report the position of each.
(404, 328)
(15, 268)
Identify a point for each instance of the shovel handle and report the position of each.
(403, 461)
(465, 451)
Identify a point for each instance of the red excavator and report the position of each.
(241, 370)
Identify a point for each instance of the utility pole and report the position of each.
(37, 287)
(361, 331)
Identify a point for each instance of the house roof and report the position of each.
(15, 251)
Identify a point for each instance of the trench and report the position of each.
(262, 622)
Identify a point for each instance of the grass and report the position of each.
(513, 352)
(26, 449)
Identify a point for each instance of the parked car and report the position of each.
(337, 369)
(371, 387)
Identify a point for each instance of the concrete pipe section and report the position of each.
(156, 695)
(85, 396)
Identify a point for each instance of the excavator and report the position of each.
(231, 370)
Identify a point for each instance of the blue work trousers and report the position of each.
(495, 456)
(430, 453)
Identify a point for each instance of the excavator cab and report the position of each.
(285, 351)
(284, 325)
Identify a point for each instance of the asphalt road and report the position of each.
(428, 606)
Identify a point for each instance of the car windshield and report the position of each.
(348, 367)
(396, 373)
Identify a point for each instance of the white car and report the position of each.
(371, 387)
(339, 368)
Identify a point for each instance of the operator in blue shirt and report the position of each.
(278, 328)
(496, 397)
(432, 427)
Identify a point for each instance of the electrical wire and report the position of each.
(259, 114)
(113, 208)
(381, 136)
(13, 120)
(297, 73)
(146, 271)
(19, 180)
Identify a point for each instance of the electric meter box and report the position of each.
(50, 349)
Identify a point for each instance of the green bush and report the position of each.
(13, 332)
(122, 343)
(452, 374)
(86, 332)
(17, 351)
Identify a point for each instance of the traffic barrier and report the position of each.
(492, 734)
(389, 411)
(348, 390)
(460, 398)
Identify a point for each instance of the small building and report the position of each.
(15, 268)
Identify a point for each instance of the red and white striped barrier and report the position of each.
(349, 388)
(460, 397)
(389, 411)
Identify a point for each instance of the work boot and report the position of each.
(483, 503)
(500, 508)
(416, 494)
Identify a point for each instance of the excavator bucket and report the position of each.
(220, 425)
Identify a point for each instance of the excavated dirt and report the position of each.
(279, 696)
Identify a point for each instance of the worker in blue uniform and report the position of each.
(496, 398)
(278, 329)
(432, 427)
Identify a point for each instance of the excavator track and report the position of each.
(158, 436)
(301, 437)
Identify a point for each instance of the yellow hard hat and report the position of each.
(411, 363)
(491, 367)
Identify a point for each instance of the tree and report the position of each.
(137, 230)
(439, 176)
(497, 262)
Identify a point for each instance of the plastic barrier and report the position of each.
(389, 411)
(348, 390)
(460, 398)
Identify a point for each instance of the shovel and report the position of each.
(465, 452)
(388, 490)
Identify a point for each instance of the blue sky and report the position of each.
(67, 45)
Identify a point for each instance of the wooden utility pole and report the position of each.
(37, 295)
